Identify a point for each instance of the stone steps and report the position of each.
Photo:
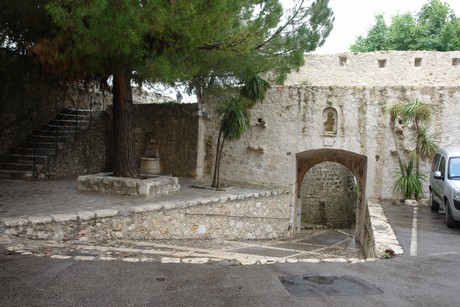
(40, 147)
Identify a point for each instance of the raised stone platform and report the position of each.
(62, 213)
(149, 186)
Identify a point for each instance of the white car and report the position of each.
(445, 183)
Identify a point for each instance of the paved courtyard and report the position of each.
(22, 200)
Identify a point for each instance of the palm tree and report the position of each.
(417, 115)
(235, 116)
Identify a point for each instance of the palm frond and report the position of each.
(234, 116)
(255, 88)
(416, 111)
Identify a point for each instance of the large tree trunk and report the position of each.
(124, 164)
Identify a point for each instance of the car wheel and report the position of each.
(434, 205)
(450, 222)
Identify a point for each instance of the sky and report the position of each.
(355, 17)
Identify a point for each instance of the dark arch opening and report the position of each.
(356, 163)
(328, 197)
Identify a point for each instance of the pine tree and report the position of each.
(195, 42)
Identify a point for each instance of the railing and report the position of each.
(58, 124)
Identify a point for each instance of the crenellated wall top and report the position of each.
(381, 68)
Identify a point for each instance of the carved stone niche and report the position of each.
(330, 121)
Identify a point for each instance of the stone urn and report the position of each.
(150, 163)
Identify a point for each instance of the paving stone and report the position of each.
(63, 257)
(86, 215)
(131, 259)
(64, 217)
(170, 260)
(106, 213)
(195, 260)
(14, 221)
(84, 258)
(43, 219)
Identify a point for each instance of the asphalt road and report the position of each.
(431, 278)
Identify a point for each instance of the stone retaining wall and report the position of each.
(264, 215)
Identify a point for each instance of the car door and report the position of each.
(437, 185)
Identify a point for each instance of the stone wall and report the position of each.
(381, 68)
(175, 130)
(25, 111)
(252, 215)
(86, 155)
(294, 123)
(329, 196)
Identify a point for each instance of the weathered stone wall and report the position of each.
(175, 130)
(294, 123)
(87, 154)
(381, 68)
(256, 215)
(329, 196)
(25, 112)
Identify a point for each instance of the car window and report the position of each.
(442, 166)
(435, 162)
(454, 167)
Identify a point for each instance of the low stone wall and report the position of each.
(231, 216)
(381, 239)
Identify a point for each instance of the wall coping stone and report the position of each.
(383, 234)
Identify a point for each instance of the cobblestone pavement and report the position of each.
(311, 246)
(20, 199)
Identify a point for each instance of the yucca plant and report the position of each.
(428, 146)
(415, 114)
(408, 182)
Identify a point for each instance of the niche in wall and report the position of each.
(330, 121)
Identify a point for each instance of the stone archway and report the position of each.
(356, 163)
(329, 197)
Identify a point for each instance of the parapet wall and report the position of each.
(381, 68)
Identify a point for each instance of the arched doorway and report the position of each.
(356, 163)
(328, 197)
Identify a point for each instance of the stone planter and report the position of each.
(150, 166)
(151, 186)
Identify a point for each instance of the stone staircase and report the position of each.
(33, 156)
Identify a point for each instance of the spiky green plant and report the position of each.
(428, 146)
(408, 182)
(417, 115)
